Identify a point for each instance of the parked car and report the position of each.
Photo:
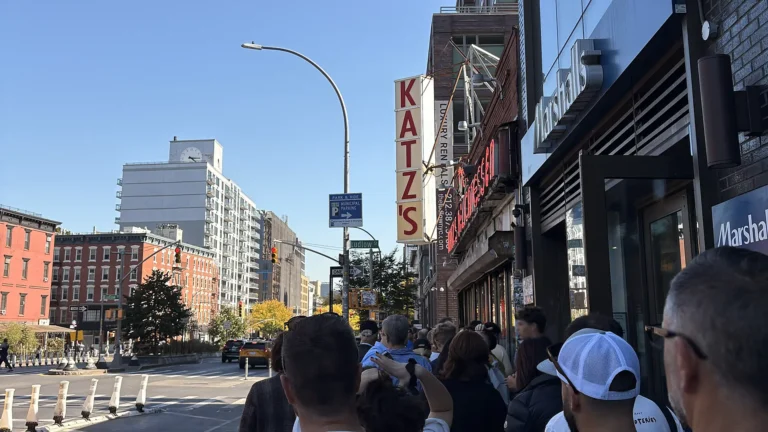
(231, 350)
(256, 353)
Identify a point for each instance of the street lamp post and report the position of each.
(345, 283)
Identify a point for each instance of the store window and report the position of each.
(577, 272)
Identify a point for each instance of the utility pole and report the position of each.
(118, 358)
(370, 276)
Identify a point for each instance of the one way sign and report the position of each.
(78, 308)
(345, 210)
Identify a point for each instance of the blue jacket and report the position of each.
(400, 355)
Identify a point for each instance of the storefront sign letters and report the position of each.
(743, 221)
(575, 88)
(474, 192)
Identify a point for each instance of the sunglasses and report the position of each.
(657, 335)
(553, 351)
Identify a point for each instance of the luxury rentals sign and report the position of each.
(414, 139)
(575, 88)
(743, 221)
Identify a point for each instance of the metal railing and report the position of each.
(495, 9)
(22, 211)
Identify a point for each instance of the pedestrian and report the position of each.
(530, 323)
(500, 353)
(715, 341)
(382, 407)
(369, 334)
(266, 407)
(539, 398)
(443, 333)
(600, 379)
(477, 406)
(495, 376)
(394, 336)
(649, 416)
(423, 348)
(4, 347)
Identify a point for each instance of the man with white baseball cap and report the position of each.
(649, 416)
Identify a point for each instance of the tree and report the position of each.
(237, 326)
(269, 317)
(21, 339)
(391, 279)
(154, 311)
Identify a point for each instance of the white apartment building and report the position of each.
(190, 190)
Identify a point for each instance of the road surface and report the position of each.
(205, 397)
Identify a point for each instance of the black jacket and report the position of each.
(535, 405)
(477, 406)
(267, 409)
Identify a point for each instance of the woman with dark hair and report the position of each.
(540, 399)
(477, 406)
(266, 407)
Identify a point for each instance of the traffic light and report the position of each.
(274, 254)
(178, 256)
(240, 309)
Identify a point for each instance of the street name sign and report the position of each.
(345, 210)
(364, 244)
(78, 308)
(110, 297)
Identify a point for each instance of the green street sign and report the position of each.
(364, 244)
(110, 297)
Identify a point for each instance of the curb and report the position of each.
(94, 420)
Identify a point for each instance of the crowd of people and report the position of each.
(460, 378)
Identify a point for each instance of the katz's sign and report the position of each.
(414, 137)
(474, 192)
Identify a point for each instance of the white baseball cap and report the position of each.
(591, 359)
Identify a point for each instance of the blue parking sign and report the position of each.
(345, 210)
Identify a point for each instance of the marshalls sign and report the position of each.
(743, 221)
(414, 139)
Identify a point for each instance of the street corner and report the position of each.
(83, 423)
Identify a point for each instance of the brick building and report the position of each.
(87, 270)
(26, 246)
(643, 143)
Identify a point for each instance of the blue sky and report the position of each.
(86, 86)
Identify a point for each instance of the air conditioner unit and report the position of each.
(2, 312)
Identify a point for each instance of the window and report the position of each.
(67, 254)
(8, 236)
(24, 267)
(7, 266)
(131, 290)
(105, 273)
(77, 274)
(55, 274)
(54, 293)
(47, 245)
(3, 300)
(76, 293)
(154, 257)
(27, 235)
(46, 267)
(43, 304)
(22, 303)
(92, 254)
(92, 315)
(162, 258)
(56, 254)
(53, 316)
(91, 274)
(65, 293)
(118, 274)
(89, 293)
(65, 276)
(106, 256)
(133, 273)
(103, 293)
(117, 291)
(78, 255)
(134, 253)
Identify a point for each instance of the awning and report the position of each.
(39, 328)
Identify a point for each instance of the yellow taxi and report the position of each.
(256, 352)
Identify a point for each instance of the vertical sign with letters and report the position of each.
(414, 139)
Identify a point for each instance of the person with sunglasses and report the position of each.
(649, 416)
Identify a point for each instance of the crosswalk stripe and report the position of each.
(175, 402)
(239, 402)
(201, 404)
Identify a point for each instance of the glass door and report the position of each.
(669, 246)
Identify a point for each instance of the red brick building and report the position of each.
(87, 270)
(26, 246)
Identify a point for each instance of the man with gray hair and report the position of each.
(715, 341)
(394, 336)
